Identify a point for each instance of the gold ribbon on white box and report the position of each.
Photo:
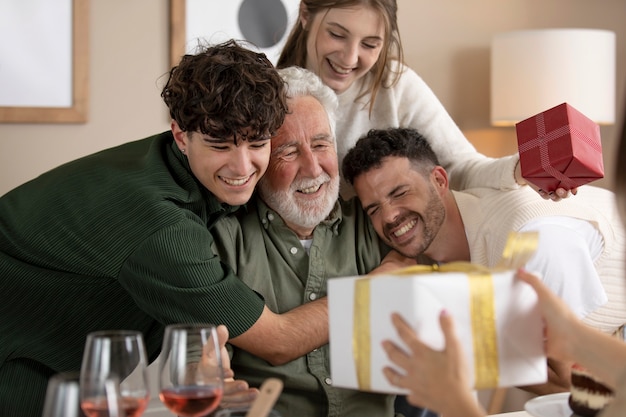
(519, 248)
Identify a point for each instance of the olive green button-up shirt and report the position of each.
(270, 258)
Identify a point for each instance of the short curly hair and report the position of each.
(377, 144)
(226, 91)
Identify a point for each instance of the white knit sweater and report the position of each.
(411, 103)
(489, 215)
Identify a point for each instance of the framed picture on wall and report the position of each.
(263, 23)
(44, 67)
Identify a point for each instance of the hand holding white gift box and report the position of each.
(496, 317)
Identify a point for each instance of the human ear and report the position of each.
(440, 177)
(179, 136)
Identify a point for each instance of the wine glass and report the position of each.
(62, 396)
(114, 355)
(191, 377)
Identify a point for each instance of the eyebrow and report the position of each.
(374, 37)
(377, 203)
(211, 139)
(322, 136)
(294, 143)
(284, 146)
(369, 206)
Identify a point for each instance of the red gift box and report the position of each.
(560, 148)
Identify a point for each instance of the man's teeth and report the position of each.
(405, 228)
(310, 190)
(339, 69)
(235, 182)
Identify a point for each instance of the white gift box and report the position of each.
(496, 318)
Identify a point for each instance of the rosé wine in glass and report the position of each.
(192, 401)
(120, 356)
(99, 407)
(191, 378)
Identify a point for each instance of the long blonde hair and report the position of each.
(385, 72)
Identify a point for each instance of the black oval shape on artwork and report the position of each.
(262, 22)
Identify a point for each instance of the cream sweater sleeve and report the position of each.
(411, 103)
(466, 167)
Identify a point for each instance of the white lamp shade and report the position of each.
(535, 70)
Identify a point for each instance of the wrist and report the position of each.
(517, 174)
(467, 406)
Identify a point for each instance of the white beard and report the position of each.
(304, 213)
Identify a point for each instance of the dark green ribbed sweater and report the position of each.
(116, 240)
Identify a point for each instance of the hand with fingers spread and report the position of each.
(437, 380)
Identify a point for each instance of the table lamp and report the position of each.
(534, 70)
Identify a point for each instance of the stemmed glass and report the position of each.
(114, 355)
(62, 396)
(191, 377)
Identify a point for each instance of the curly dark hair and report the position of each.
(226, 91)
(377, 144)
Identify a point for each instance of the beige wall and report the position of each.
(446, 42)
(129, 54)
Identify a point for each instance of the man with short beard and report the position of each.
(580, 253)
(294, 236)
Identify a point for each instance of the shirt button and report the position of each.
(293, 250)
(328, 381)
(270, 216)
(312, 296)
(263, 221)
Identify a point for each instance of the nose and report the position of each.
(389, 213)
(309, 165)
(351, 53)
(241, 163)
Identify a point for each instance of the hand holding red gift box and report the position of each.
(560, 148)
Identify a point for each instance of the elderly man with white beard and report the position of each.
(295, 235)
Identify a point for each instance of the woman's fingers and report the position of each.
(393, 376)
(449, 333)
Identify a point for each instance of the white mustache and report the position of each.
(306, 183)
